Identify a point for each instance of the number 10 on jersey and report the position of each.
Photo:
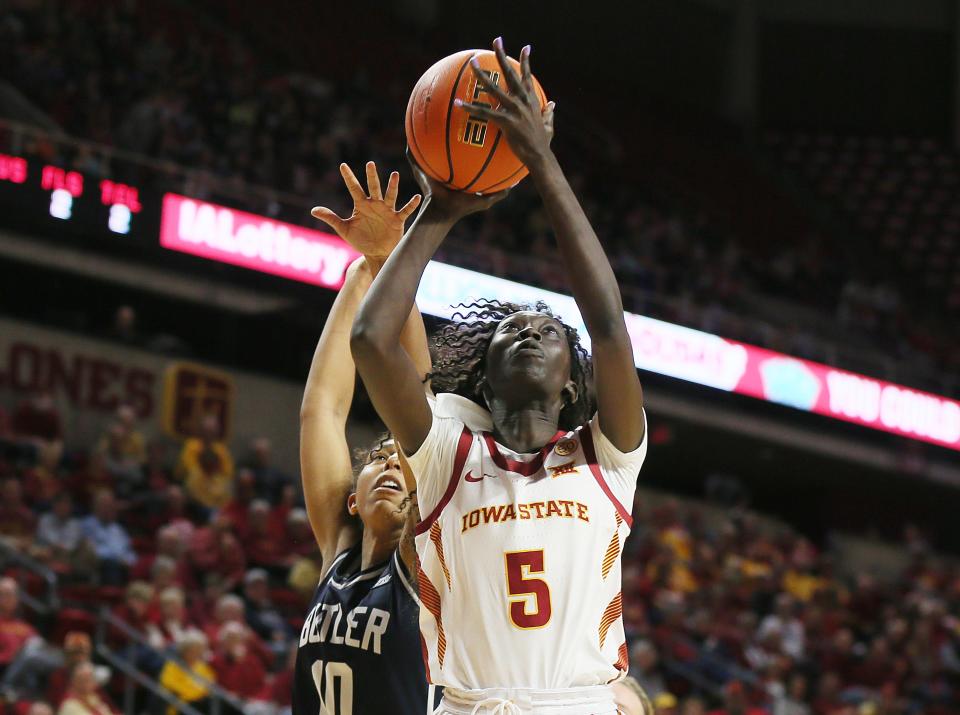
(529, 597)
(325, 679)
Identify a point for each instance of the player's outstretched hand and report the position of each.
(376, 225)
(527, 128)
(450, 204)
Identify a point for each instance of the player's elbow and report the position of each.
(367, 344)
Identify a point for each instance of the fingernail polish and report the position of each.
(499, 40)
(527, 49)
(458, 103)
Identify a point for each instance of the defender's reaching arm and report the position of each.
(374, 229)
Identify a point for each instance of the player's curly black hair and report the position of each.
(363, 456)
(462, 345)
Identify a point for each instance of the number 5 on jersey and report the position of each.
(524, 591)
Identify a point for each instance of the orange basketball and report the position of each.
(463, 152)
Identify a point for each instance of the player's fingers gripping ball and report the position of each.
(462, 151)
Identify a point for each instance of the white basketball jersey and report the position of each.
(520, 554)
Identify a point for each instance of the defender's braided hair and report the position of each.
(462, 344)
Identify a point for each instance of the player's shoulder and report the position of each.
(447, 405)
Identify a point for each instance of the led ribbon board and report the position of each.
(262, 244)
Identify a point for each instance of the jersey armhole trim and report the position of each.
(405, 578)
(463, 449)
(328, 576)
(586, 439)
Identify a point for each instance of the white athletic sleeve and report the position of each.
(620, 469)
(433, 463)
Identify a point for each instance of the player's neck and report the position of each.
(376, 550)
(526, 429)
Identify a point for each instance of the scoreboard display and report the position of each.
(44, 196)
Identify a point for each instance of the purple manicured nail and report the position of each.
(458, 103)
(527, 49)
(499, 41)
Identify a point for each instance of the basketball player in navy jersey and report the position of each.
(359, 650)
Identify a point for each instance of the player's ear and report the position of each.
(570, 393)
(352, 508)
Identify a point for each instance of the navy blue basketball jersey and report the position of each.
(360, 651)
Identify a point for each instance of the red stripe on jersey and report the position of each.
(512, 465)
(613, 612)
(436, 538)
(613, 550)
(463, 449)
(430, 599)
(426, 658)
(586, 439)
(623, 659)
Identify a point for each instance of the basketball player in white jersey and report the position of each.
(524, 489)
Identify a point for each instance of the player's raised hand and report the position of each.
(448, 203)
(376, 225)
(527, 128)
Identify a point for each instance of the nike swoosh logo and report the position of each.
(470, 478)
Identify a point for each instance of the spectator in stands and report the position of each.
(665, 704)
(77, 649)
(123, 440)
(156, 468)
(692, 705)
(643, 667)
(260, 612)
(171, 545)
(59, 541)
(42, 482)
(298, 538)
(109, 539)
(125, 326)
(282, 508)
(268, 480)
(209, 485)
(238, 669)
(735, 702)
(172, 622)
(630, 698)
(163, 573)
(17, 522)
(237, 509)
(206, 449)
(305, 573)
(789, 629)
(37, 420)
(92, 478)
(204, 604)
(264, 546)
(170, 509)
(134, 611)
(82, 697)
(192, 685)
(15, 632)
(279, 693)
(230, 609)
(214, 549)
(123, 454)
(795, 699)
